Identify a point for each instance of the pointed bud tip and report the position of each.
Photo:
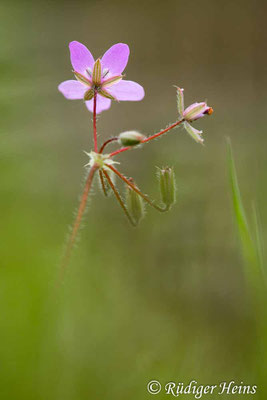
(209, 111)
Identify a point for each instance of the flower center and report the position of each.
(99, 160)
(96, 82)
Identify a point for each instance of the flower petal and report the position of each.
(102, 104)
(72, 90)
(127, 91)
(115, 59)
(80, 57)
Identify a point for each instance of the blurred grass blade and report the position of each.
(250, 251)
(259, 241)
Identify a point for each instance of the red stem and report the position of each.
(118, 197)
(94, 122)
(146, 198)
(78, 219)
(149, 138)
(102, 182)
(107, 142)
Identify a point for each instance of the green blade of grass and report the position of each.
(250, 251)
(259, 241)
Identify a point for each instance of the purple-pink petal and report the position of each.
(115, 59)
(102, 104)
(80, 57)
(72, 90)
(127, 91)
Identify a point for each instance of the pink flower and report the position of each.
(103, 77)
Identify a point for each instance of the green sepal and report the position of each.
(97, 73)
(105, 94)
(82, 79)
(194, 133)
(112, 81)
(88, 95)
(180, 100)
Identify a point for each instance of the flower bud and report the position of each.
(196, 111)
(167, 186)
(130, 138)
(135, 205)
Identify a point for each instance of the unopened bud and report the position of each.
(135, 205)
(167, 186)
(131, 138)
(196, 111)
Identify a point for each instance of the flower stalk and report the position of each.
(94, 123)
(78, 219)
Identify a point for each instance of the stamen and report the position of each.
(89, 72)
(105, 72)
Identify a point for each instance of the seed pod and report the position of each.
(167, 186)
(130, 138)
(135, 205)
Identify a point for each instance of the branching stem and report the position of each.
(107, 142)
(118, 197)
(102, 182)
(146, 198)
(156, 135)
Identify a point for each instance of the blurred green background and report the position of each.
(168, 300)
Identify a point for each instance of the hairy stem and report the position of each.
(118, 197)
(78, 219)
(146, 198)
(102, 182)
(156, 135)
